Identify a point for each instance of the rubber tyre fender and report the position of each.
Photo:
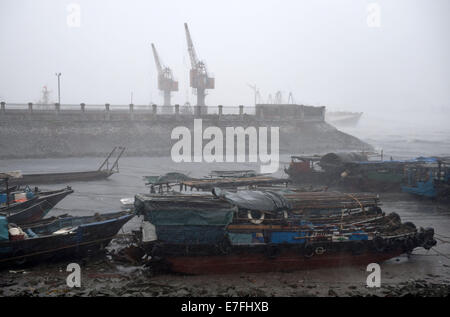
(410, 224)
(379, 244)
(420, 238)
(272, 250)
(308, 250)
(258, 221)
(224, 246)
(408, 244)
(20, 261)
(397, 244)
(358, 247)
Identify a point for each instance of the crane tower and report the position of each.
(166, 83)
(199, 78)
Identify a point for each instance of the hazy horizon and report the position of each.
(324, 52)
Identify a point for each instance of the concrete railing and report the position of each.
(220, 111)
(155, 109)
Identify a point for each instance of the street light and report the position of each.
(59, 91)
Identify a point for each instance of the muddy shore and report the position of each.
(101, 278)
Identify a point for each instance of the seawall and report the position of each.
(26, 133)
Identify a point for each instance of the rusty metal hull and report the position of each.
(284, 262)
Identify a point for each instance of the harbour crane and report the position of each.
(199, 78)
(278, 98)
(256, 91)
(166, 83)
(291, 98)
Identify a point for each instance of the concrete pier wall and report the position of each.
(62, 132)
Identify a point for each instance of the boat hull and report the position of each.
(343, 120)
(271, 257)
(86, 240)
(285, 262)
(36, 208)
(30, 214)
(57, 178)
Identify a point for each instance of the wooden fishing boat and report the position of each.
(103, 172)
(219, 233)
(275, 250)
(354, 172)
(429, 178)
(36, 207)
(60, 238)
(31, 214)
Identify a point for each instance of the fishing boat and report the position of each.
(58, 238)
(31, 214)
(343, 118)
(35, 207)
(207, 184)
(267, 230)
(321, 169)
(105, 170)
(353, 172)
(428, 178)
(222, 179)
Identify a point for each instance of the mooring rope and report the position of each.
(442, 240)
(440, 253)
(437, 234)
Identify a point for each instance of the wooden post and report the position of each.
(107, 106)
(177, 109)
(30, 107)
(220, 110)
(241, 110)
(154, 109)
(83, 107)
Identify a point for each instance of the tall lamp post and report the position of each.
(59, 90)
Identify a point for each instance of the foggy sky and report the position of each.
(322, 51)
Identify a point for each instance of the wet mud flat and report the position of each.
(102, 278)
(423, 273)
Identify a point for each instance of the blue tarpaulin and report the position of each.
(287, 237)
(358, 235)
